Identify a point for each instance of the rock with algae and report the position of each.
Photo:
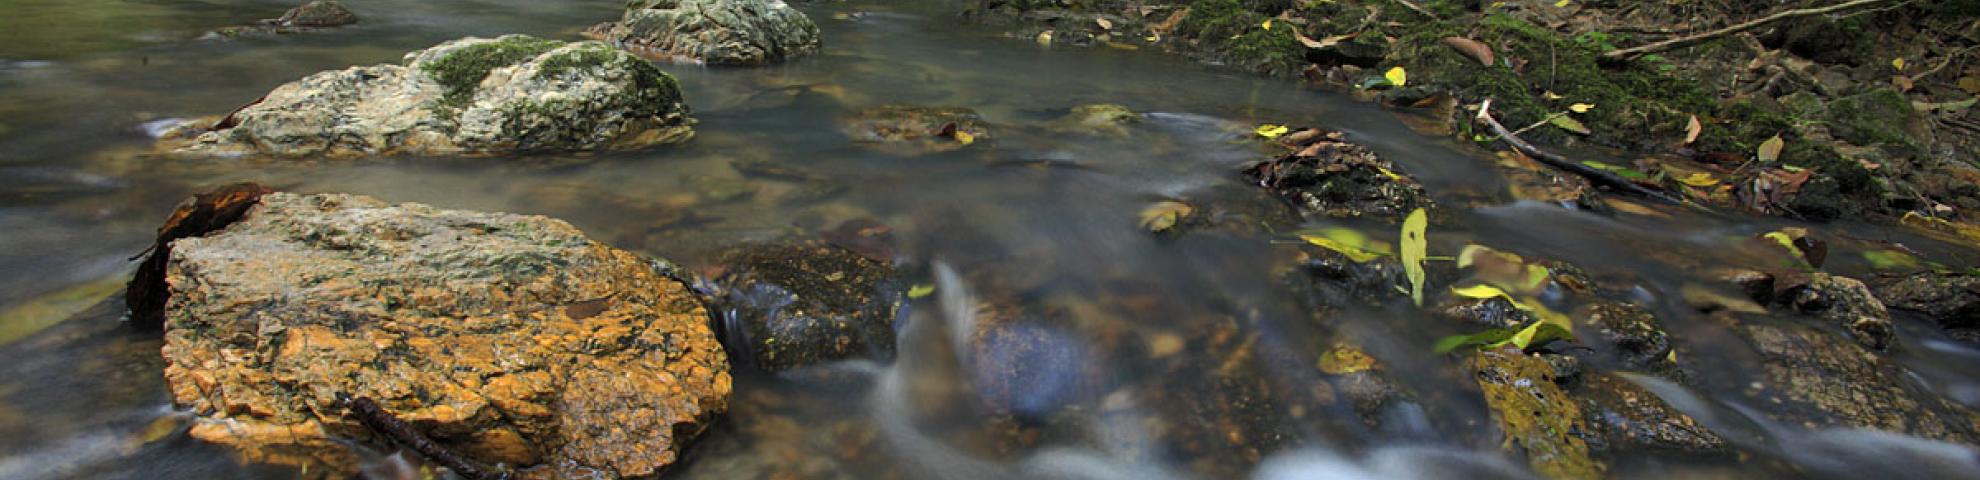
(1537, 415)
(798, 303)
(510, 339)
(469, 96)
(734, 32)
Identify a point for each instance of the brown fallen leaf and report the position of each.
(197, 216)
(1472, 48)
(1691, 130)
(1323, 43)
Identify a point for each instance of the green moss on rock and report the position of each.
(1874, 117)
(462, 69)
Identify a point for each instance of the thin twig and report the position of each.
(1633, 52)
(384, 423)
(1950, 58)
(1557, 161)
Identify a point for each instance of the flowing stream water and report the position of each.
(1135, 348)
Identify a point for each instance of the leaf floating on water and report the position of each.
(1699, 179)
(1414, 248)
(1770, 150)
(1692, 129)
(1488, 337)
(1346, 242)
(920, 291)
(1271, 131)
(1472, 48)
(1581, 107)
(1481, 292)
(1163, 216)
(1891, 260)
(1045, 38)
(1396, 76)
(1569, 124)
(964, 137)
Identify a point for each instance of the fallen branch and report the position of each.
(205, 213)
(384, 423)
(1418, 9)
(1633, 52)
(1557, 161)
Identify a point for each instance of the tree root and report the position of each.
(1598, 176)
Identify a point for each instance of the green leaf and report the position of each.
(1770, 150)
(922, 290)
(1488, 337)
(1890, 259)
(1624, 172)
(1539, 333)
(1569, 124)
(1355, 253)
(1414, 248)
(1481, 292)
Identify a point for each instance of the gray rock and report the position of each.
(464, 97)
(1951, 300)
(732, 32)
(318, 13)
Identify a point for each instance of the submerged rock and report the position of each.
(1097, 119)
(1536, 414)
(913, 129)
(1951, 300)
(469, 96)
(1847, 303)
(1340, 179)
(1821, 380)
(736, 32)
(1630, 332)
(789, 305)
(509, 339)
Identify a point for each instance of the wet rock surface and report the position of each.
(464, 97)
(915, 129)
(1097, 119)
(311, 15)
(734, 32)
(1629, 331)
(1951, 300)
(793, 304)
(512, 340)
(1334, 178)
(1826, 380)
(1847, 303)
(1536, 415)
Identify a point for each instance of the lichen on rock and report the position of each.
(511, 339)
(733, 32)
(465, 97)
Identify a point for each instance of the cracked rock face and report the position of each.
(472, 96)
(511, 339)
(729, 32)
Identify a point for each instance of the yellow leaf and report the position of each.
(1271, 131)
(964, 137)
(1581, 107)
(1699, 179)
(1267, 25)
(1045, 38)
(1414, 249)
(1480, 291)
(1164, 215)
(1898, 63)
(1344, 246)
(921, 290)
(1104, 23)
(1550, 95)
(1561, 4)
(1770, 150)
(1397, 76)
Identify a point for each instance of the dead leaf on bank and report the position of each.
(1903, 83)
(1323, 43)
(1970, 84)
(1170, 24)
(1770, 150)
(1104, 24)
(1692, 129)
(1472, 48)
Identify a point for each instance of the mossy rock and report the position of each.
(729, 32)
(1880, 116)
